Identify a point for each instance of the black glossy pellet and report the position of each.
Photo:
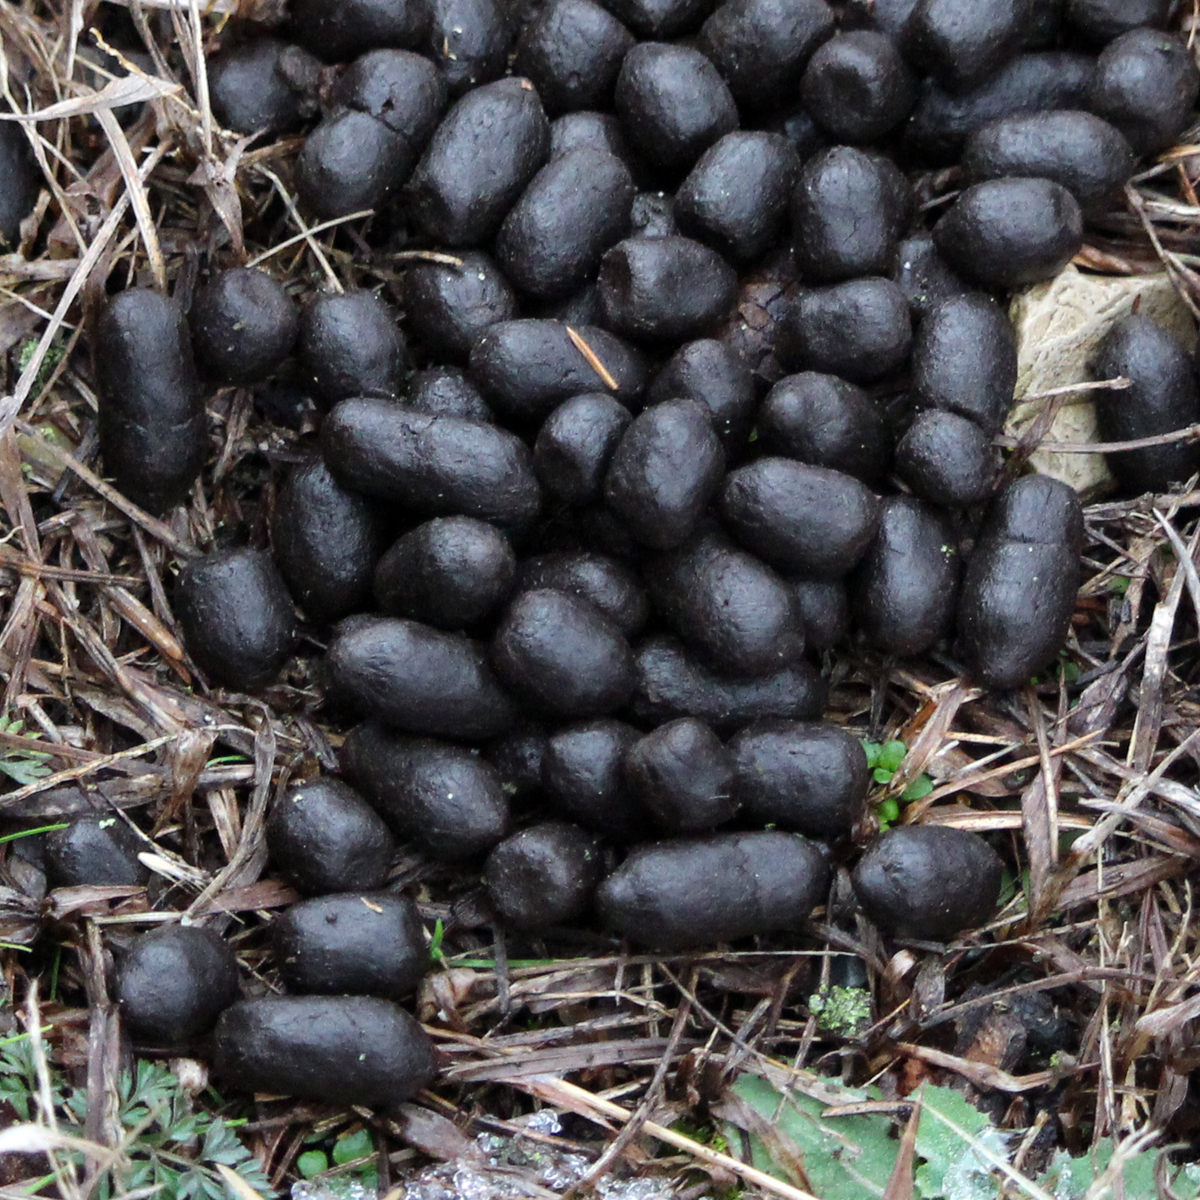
(448, 305)
(543, 876)
(825, 421)
(707, 372)
(326, 540)
(1162, 398)
(575, 444)
(665, 469)
(672, 103)
(487, 148)
(563, 655)
(800, 775)
(152, 422)
(468, 41)
(904, 593)
(964, 360)
(962, 44)
(236, 616)
(946, 459)
(1087, 155)
(1146, 83)
(434, 466)
(173, 983)
(341, 30)
(674, 683)
(446, 392)
(358, 943)
(694, 891)
(684, 776)
(583, 772)
(943, 119)
(1020, 583)
(809, 520)
(527, 368)
(572, 51)
(451, 572)
(845, 221)
(262, 85)
(573, 210)
(860, 330)
(95, 849)
(1006, 233)
(761, 46)
(350, 345)
(244, 324)
(736, 196)
(323, 837)
(416, 678)
(665, 288)
(607, 583)
(447, 800)
(730, 607)
(334, 1049)
(858, 87)
(928, 881)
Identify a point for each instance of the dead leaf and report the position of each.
(117, 93)
(434, 1134)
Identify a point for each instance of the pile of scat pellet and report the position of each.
(688, 392)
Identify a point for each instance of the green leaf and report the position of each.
(882, 775)
(851, 1158)
(845, 1158)
(917, 790)
(353, 1145)
(26, 769)
(24, 833)
(312, 1162)
(950, 1162)
(871, 750)
(1073, 1176)
(889, 809)
(892, 755)
(436, 953)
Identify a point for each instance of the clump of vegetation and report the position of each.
(845, 1011)
(22, 766)
(171, 1146)
(885, 759)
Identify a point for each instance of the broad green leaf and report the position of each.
(1072, 1176)
(951, 1165)
(892, 755)
(352, 1146)
(846, 1158)
(312, 1162)
(917, 790)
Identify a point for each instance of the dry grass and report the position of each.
(1090, 779)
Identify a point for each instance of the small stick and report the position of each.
(593, 360)
(301, 237)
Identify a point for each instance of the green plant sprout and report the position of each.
(437, 955)
(884, 759)
(22, 766)
(354, 1151)
(1067, 665)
